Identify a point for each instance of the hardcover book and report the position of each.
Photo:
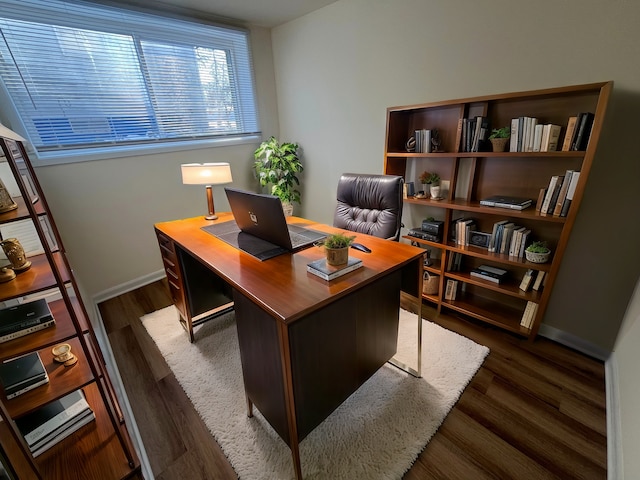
(323, 270)
(505, 201)
(24, 318)
(20, 374)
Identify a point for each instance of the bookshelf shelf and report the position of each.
(102, 448)
(471, 176)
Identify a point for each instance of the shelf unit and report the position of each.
(102, 448)
(472, 176)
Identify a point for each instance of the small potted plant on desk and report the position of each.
(336, 248)
(499, 138)
(538, 252)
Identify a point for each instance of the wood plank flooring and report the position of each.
(535, 410)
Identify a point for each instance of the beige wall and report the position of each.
(338, 69)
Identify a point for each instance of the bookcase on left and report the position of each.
(42, 309)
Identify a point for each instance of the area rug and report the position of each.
(377, 433)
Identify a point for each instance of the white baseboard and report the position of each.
(615, 469)
(128, 286)
(572, 341)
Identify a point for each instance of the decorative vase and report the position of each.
(435, 191)
(337, 256)
(499, 144)
(535, 257)
(15, 253)
(287, 208)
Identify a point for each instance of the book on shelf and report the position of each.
(551, 135)
(583, 131)
(513, 139)
(529, 314)
(506, 201)
(88, 417)
(568, 135)
(516, 240)
(571, 190)
(451, 290)
(494, 233)
(423, 140)
(563, 193)
(550, 190)
(537, 285)
(540, 201)
(537, 139)
(507, 232)
(19, 375)
(527, 280)
(325, 271)
(48, 422)
(556, 193)
(28, 317)
(492, 274)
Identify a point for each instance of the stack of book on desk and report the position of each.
(21, 374)
(24, 318)
(492, 274)
(323, 270)
(55, 421)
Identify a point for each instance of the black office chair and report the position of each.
(370, 204)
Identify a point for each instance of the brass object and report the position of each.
(6, 274)
(6, 202)
(62, 354)
(15, 253)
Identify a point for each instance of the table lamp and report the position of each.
(208, 174)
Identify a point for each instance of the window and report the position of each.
(83, 75)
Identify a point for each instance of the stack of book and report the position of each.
(24, 318)
(556, 198)
(528, 134)
(462, 228)
(325, 271)
(21, 374)
(508, 238)
(451, 290)
(491, 274)
(473, 133)
(49, 425)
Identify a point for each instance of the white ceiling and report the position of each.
(265, 13)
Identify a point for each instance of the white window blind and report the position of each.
(83, 75)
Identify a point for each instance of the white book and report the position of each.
(538, 137)
(52, 416)
(547, 198)
(513, 140)
(90, 416)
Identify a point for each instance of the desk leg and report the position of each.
(402, 366)
(249, 407)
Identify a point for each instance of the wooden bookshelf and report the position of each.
(102, 448)
(472, 176)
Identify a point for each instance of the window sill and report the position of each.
(90, 154)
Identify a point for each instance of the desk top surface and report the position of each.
(282, 285)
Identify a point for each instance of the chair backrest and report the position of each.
(370, 204)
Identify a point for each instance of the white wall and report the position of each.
(105, 210)
(339, 68)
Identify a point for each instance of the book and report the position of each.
(550, 189)
(529, 314)
(513, 139)
(538, 137)
(451, 290)
(40, 426)
(493, 270)
(494, 233)
(325, 271)
(28, 387)
(571, 190)
(516, 240)
(21, 374)
(541, 195)
(563, 193)
(483, 275)
(527, 280)
(555, 194)
(583, 131)
(506, 201)
(551, 138)
(72, 428)
(22, 319)
(538, 282)
(568, 136)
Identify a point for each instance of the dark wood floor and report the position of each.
(534, 410)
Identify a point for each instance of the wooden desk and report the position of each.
(305, 344)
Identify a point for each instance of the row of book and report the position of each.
(533, 279)
(25, 318)
(423, 139)
(508, 238)
(55, 421)
(473, 133)
(529, 314)
(556, 198)
(528, 134)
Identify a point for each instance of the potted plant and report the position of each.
(336, 248)
(424, 180)
(277, 166)
(538, 252)
(434, 185)
(499, 138)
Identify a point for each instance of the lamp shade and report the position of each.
(206, 173)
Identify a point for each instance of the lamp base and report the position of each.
(211, 217)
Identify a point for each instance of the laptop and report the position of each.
(261, 228)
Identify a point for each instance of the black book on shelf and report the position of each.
(583, 131)
(21, 374)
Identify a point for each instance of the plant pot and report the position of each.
(534, 257)
(287, 208)
(337, 256)
(435, 191)
(499, 144)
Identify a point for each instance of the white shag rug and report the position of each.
(377, 433)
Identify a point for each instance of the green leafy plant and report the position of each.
(426, 177)
(538, 247)
(338, 240)
(504, 132)
(277, 167)
(434, 179)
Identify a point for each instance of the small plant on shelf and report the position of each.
(503, 132)
(538, 252)
(424, 177)
(434, 179)
(499, 138)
